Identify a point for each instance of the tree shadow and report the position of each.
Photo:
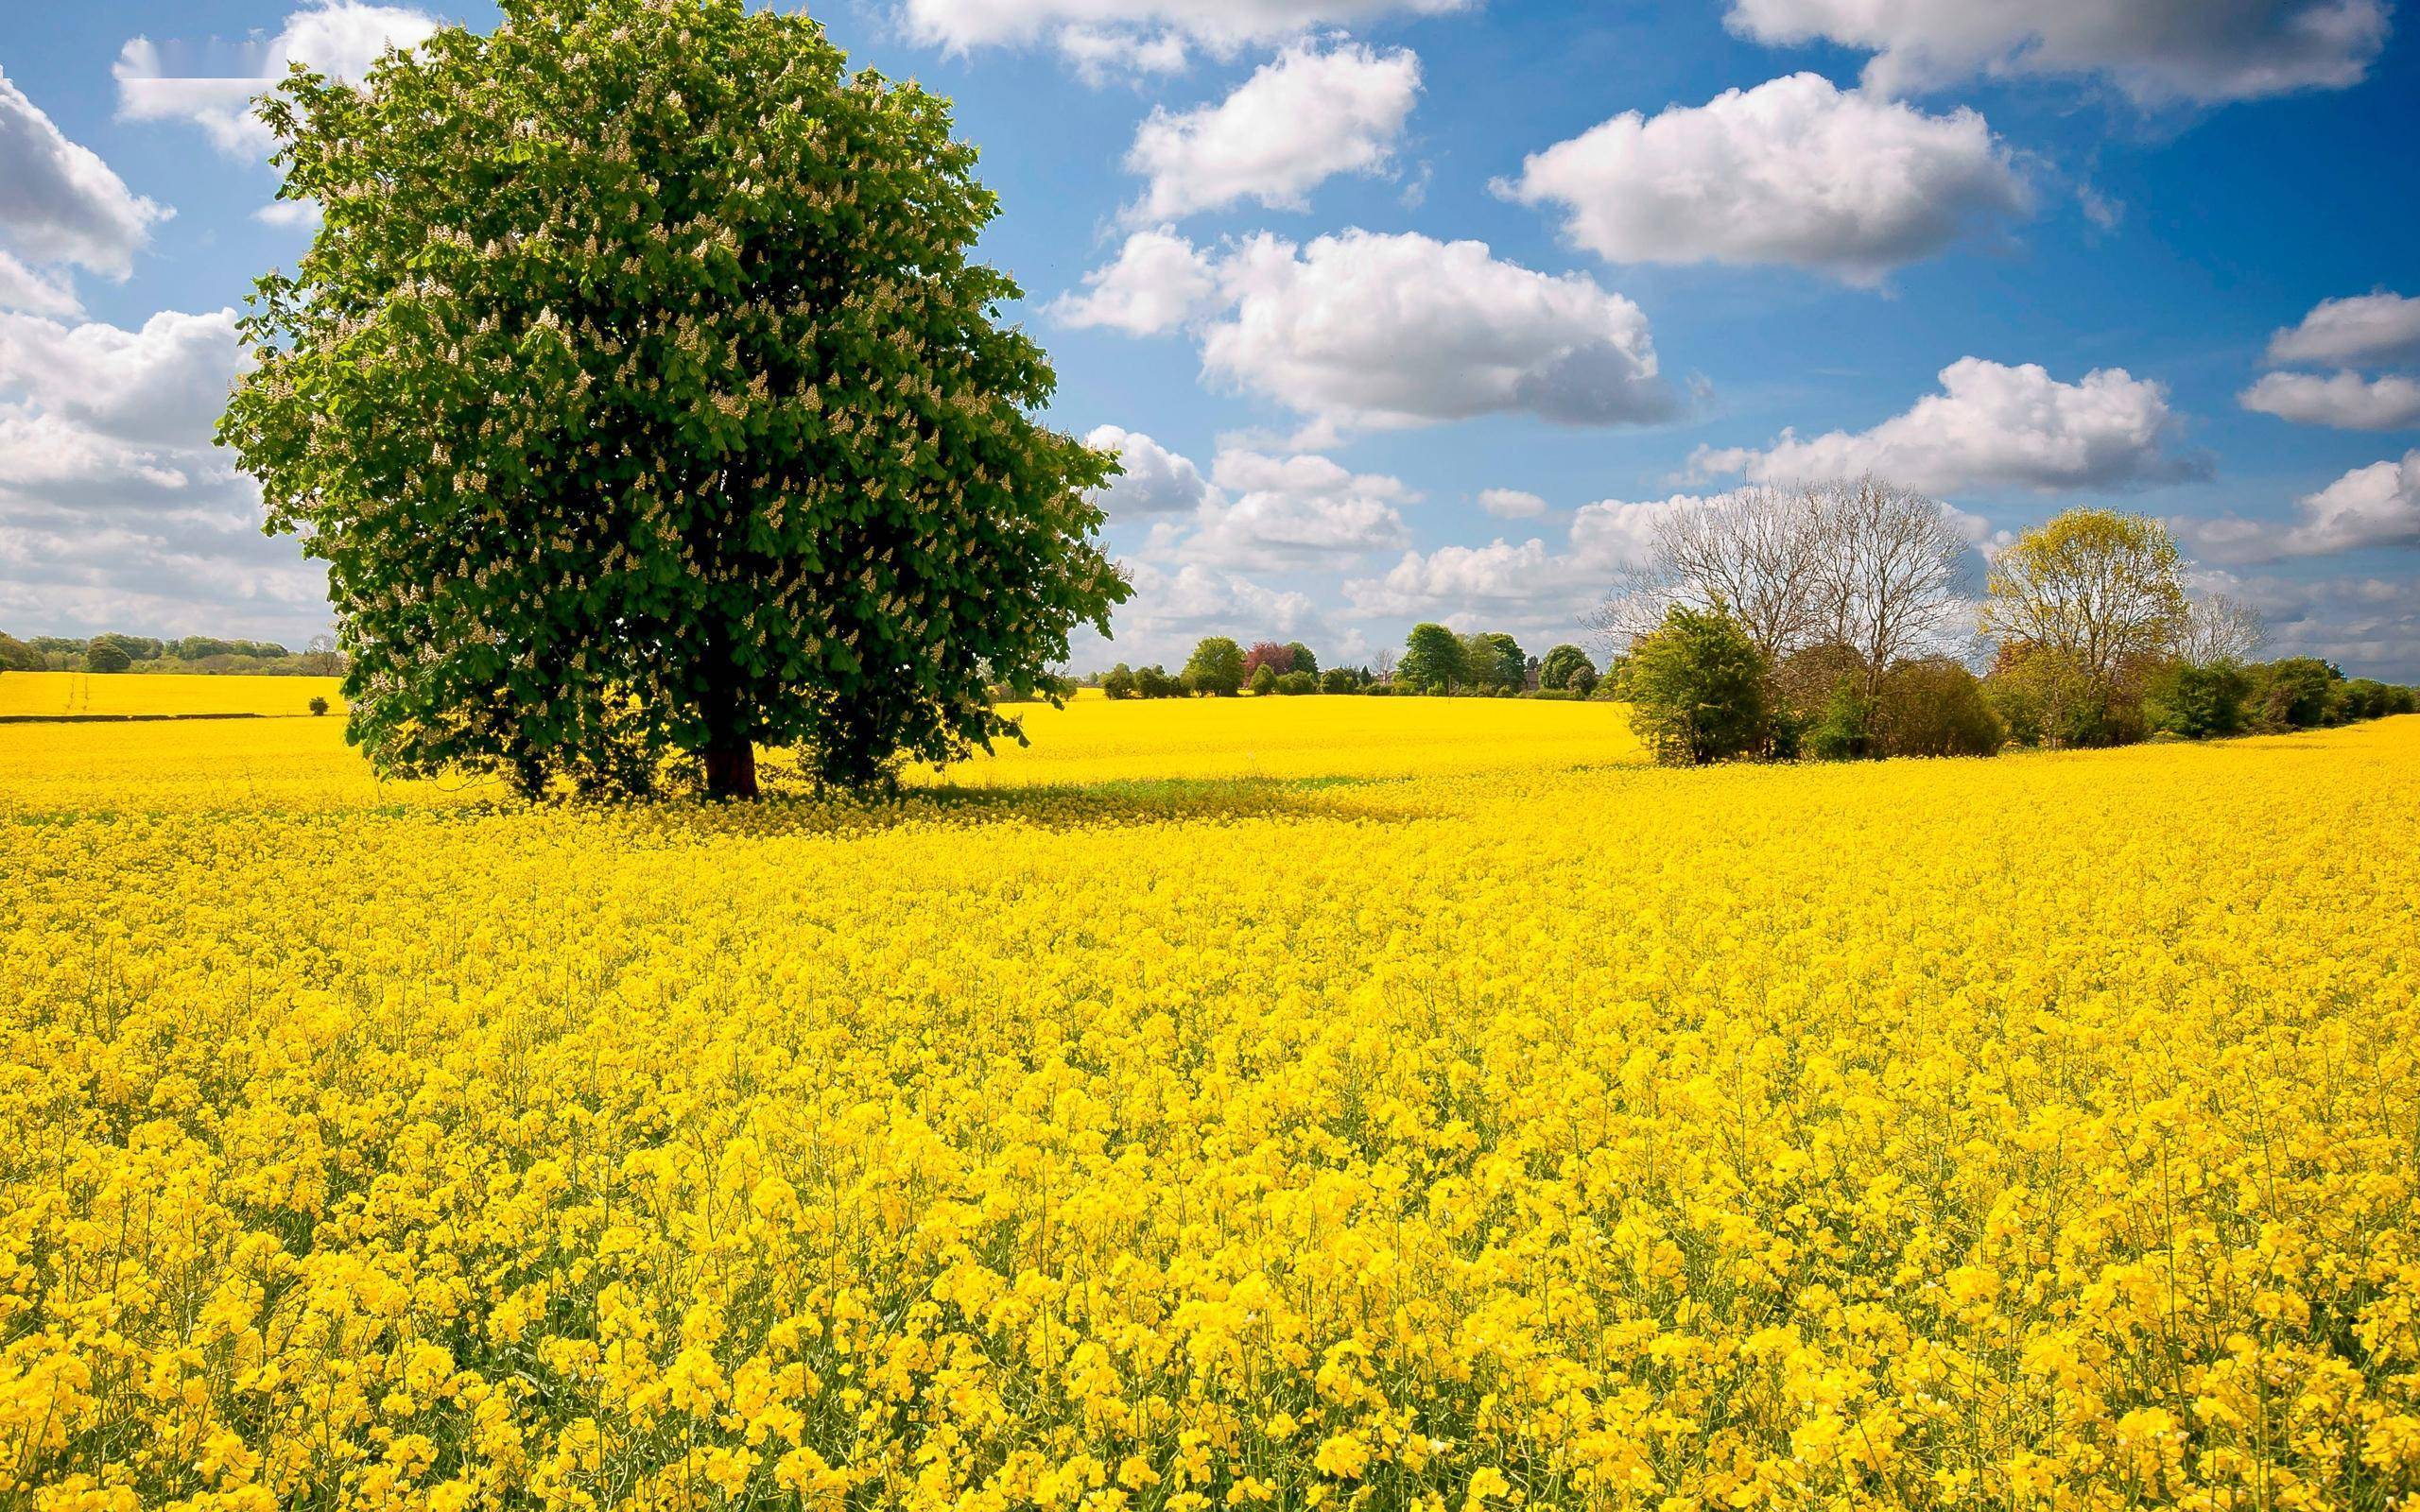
(1114, 803)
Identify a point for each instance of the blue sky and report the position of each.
(1398, 315)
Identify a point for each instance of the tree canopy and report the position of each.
(1216, 666)
(641, 397)
(1697, 687)
(1432, 658)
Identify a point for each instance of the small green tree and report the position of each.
(1303, 661)
(1264, 681)
(1559, 664)
(1337, 680)
(641, 395)
(1432, 658)
(107, 656)
(1697, 687)
(1216, 668)
(16, 655)
(1117, 683)
(2198, 702)
(1155, 682)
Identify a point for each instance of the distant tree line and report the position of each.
(1435, 662)
(1816, 622)
(203, 654)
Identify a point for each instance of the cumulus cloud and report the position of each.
(163, 384)
(1156, 481)
(60, 207)
(1103, 36)
(1793, 171)
(115, 509)
(1303, 118)
(2365, 623)
(1360, 331)
(214, 87)
(2357, 332)
(1991, 425)
(1363, 331)
(2377, 506)
(1528, 585)
(2156, 51)
(1273, 512)
(1159, 281)
(1512, 504)
(1173, 606)
(2344, 400)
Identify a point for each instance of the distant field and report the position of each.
(166, 693)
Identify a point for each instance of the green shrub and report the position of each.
(2296, 694)
(1844, 732)
(319, 705)
(1294, 684)
(1697, 688)
(2198, 702)
(1933, 707)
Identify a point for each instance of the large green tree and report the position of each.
(1432, 658)
(641, 397)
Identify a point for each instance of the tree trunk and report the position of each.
(731, 771)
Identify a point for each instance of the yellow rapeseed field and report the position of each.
(1309, 1102)
(162, 692)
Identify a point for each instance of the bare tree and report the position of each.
(1754, 551)
(2219, 629)
(1888, 569)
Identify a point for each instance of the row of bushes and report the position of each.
(1701, 691)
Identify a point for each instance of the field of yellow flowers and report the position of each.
(54, 694)
(1257, 1105)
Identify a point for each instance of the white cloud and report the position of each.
(2156, 51)
(1156, 481)
(1100, 36)
(1273, 512)
(1528, 585)
(1512, 504)
(164, 384)
(214, 88)
(30, 288)
(2356, 332)
(2369, 507)
(116, 509)
(1991, 425)
(1793, 171)
(2344, 400)
(1303, 118)
(1174, 606)
(1158, 283)
(1366, 331)
(59, 206)
(2368, 625)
